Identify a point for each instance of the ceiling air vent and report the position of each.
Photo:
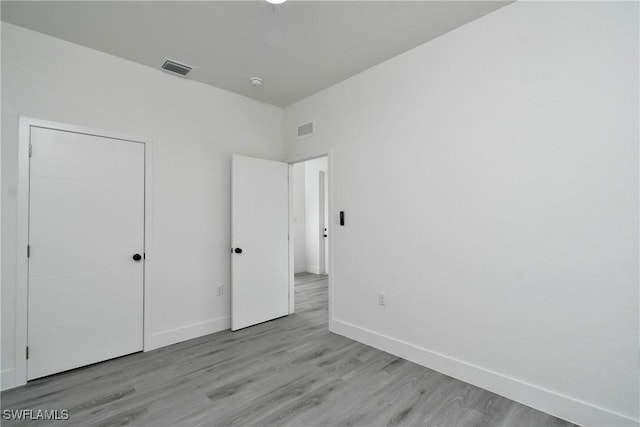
(176, 67)
(306, 129)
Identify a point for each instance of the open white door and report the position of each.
(322, 225)
(260, 241)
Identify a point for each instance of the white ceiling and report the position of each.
(298, 48)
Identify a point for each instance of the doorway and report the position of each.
(279, 227)
(311, 230)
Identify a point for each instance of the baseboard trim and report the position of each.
(313, 269)
(553, 403)
(195, 330)
(7, 379)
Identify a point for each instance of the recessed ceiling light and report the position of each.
(256, 81)
(276, 1)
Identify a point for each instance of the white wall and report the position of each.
(299, 219)
(195, 129)
(312, 206)
(490, 184)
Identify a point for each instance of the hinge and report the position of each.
(28, 251)
(30, 150)
(27, 352)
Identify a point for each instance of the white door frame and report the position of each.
(329, 156)
(22, 280)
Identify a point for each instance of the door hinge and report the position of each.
(27, 352)
(30, 150)
(28, 251)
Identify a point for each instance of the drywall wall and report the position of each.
(312, 209)
(490, 184)
(195, 129)
(299, 233)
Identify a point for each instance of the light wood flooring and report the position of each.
(287, 372)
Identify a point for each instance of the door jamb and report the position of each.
(22, 279)
(329, 156)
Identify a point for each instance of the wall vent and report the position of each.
(176, 67)
(306, 129)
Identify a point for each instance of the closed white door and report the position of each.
(322, 225)
(86, 223)
(259, 236)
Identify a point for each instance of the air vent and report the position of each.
(176, 67)
(305, 130)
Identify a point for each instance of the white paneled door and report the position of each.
(260, 243)
(86, 239)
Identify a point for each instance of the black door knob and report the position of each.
(137, 257)
(238, 250)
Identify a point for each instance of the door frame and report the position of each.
(331, 219)
(22, 279)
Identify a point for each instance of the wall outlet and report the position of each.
(382, 298)
(220, 290)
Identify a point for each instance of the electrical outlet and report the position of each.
(382, 298)
(220, 290)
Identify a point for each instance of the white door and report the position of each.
(322, 225)
(86, 222)
(260, 242)
(325, 215)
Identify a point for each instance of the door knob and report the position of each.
(238, 250)
(137, 257)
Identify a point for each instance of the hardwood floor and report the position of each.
(287, 372)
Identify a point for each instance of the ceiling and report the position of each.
(297, 48)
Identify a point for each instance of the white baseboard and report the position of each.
(548, 401)
(195, 330)
(157, 340)
(7, 379)
(313, 269)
